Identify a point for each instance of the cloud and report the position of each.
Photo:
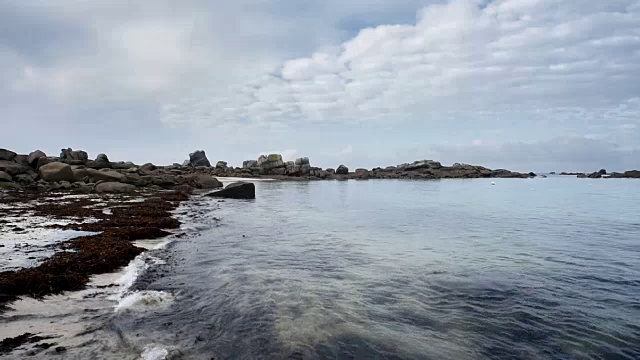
(536, 62)
(394, 81)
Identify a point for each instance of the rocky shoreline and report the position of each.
(72, 170)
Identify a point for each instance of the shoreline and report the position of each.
(114, 224)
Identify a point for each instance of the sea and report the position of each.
(545, 268)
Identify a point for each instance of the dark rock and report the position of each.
(221, 165)
(199, 158)
(26, 179)
(73, 157)
(34, 157)
(206, 182)
(602, 172)
(342, 170)
(13, 168)
(237, 190)
(114, 187)
(9, 186)
(148, 167)
(581, 176)
(22, 160)
(632, 174)
(105, 175)
(120, 165)
(7, 155)
(42, 161)
(56, 171)
(4, 177)
(595, 175)
(532, 174)
(101, 162)
(249, 164)
(60, 349)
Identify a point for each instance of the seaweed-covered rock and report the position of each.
(56, 171)
(237, 190)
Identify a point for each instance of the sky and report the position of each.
(542, 85)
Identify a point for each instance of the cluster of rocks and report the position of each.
(73, 170)
(602, 173)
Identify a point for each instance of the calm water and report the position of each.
(453, 269)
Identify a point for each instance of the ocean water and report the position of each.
(379, 269)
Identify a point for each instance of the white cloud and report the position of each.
(460, 59)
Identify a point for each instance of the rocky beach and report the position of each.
(105, 207)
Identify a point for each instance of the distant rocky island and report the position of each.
(73, 170)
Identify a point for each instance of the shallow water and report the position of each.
(457, 269)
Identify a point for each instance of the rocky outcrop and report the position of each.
(101, 162)
(7, 155)
(248, 164)
(114, 187)
(56, 171)
(237, 190)
(270, 164)
(73, 157)
(199, 158)
(342, 170)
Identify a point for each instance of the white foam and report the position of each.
(154, 352)
(144, 300)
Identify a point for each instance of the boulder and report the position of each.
(79, 174)
(43, 161)
(221, 165)
(602, 172)
(4, 177)
(7, 155)
(249, 164)
(13, 168)
(56, 171)
(105, 175)
(237, 190)
(632, 174)
(342, 170)
(34, 157)
(271, 162)
(148, 167)
(199, 158)
(22, 160)
(206, 182)
(114, 187)
(73, 157)
(101, 162)
(331, 171)
(302, 161)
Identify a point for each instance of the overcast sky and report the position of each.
(523, 84)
